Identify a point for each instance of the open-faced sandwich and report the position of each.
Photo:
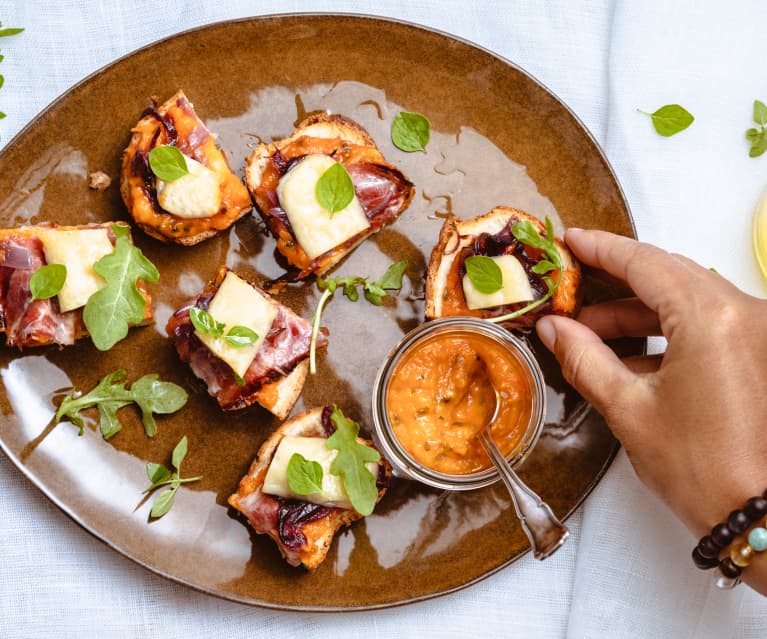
(504, 265)
(175, 181)
(244, 345)
(53, 292)
(323, 190)
(312, 476)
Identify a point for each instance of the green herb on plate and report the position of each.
(335, 189)
(484, 273)
(159, 475)
(47, 281)
(304, 475)
(237, 336)
(410, 131)
(167, 163)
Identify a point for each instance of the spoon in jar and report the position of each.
(545, 532)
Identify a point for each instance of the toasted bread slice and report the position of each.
(274, 378)
(175, 123)
(381, 189)
(460, 239)
(311, 526)
(41, 322)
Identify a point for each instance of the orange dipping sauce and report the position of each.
(439, 398)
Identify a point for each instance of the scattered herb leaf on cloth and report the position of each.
(670, 119)
(150, 394)
(410, 131)
(159, 475)
(758, 136)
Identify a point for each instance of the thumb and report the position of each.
(588, 364)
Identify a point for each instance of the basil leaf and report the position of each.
(392, 278)
(47, 281)
(204, 322)
(760, 112)
(239, 336)
(163, 503)
(304, 475)
(349, 464)
(484, 273)
(112, 309)
(157, 473)
(179, 452)
(9, 32)
(670, 119)
(410, 131)
(335, 189)
(167, 163)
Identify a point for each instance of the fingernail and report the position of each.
(546, 332)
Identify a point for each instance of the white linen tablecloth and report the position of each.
(626, 570)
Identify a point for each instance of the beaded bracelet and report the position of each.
(728, 570)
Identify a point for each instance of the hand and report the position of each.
(693, 420)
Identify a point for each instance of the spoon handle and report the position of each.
(545, 532)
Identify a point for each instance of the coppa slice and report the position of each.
(194, 207)
(450, 292)
(303, 530)
(57, 319)
(270, 370)
(282, 177)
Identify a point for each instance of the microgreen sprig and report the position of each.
(757, 136)
(159, 475)
(528, 234)
(3, 34)
(374, 293)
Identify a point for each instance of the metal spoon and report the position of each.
(545, 532)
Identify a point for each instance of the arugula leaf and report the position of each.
(159, 475)
(484, 273)
(304, 475)
(758, 136)
(410, 131)
(47, 281)
(203, 321)
(335, 189)
(167, 163)
(349, 464)
(110, 394)
(670, 119)
(112, 309)
(374, 293)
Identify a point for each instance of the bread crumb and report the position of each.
(99, 181)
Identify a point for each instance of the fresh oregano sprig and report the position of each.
(670, 119)
(159, 476)
(374, 293)
(527, 233)
(4, 33)
(757, 136)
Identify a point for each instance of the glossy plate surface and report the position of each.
(498, 137)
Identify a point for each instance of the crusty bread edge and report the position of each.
(288, 390)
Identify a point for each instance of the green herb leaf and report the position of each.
(410, 131)
(2, 115)
(9, 32)
(167, 163)
(670, 119)
(760, 112)
(112, 309)
(203, 321)
(349, 464)
(334, 189)
(304, 475)
(392, 278)
(47, 281)
(110, 394)
(2, 57)
(179, 452)
(239, 336)
(2, 81)
(484, 273)
(157, 473)
(374, 293)
(163, 503)
(758, 136)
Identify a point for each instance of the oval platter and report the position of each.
(498, 137)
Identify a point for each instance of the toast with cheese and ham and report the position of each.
(450, 292)
(58, 319)
(282, 177)
(270, 371)
(303, 530)
(192, 208)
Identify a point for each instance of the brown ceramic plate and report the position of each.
(498, 137)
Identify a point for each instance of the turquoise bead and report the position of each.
(757, 539)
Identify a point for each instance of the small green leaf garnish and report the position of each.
(203, 321)
(758, 136)
(484, 273)
(159, 475)
(112, 309)
(349, 464)
(47, 281)
(527, 233)
(110, 394)
(167, 163)
(239, 336)
(374, 293)
(304, 475)
(670, 119)
(410, 131)
(9, 32)
(335, 189)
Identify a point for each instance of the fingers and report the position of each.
(641, 364)
(620, 318)
(588, 364)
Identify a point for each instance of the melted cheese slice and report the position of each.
(237, 303)
(78, 250)
(313, 449)
(194, 195)
(516, 287)
(315, 229)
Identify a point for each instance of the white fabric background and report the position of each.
(626, 572)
